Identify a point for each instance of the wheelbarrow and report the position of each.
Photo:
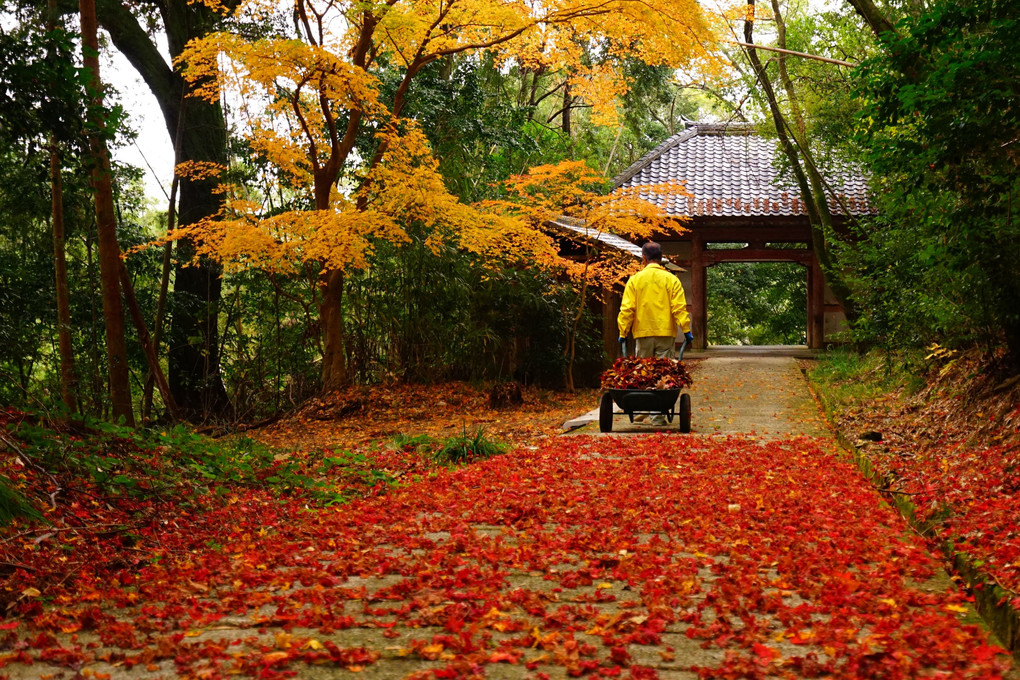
(646, 402)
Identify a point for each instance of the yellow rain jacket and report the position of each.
(654, 302)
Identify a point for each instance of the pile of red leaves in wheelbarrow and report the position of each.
(636, 373)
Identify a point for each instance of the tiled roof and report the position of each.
(733, 172)
(603, 239)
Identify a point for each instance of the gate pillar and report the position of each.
(697, 298)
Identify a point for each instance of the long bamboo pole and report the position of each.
(804, 55)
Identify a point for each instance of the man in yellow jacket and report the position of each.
(655, 305)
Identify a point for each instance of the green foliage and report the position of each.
(29, 367)
(414, 442)
(26, 272)
(43, 100)
(478, 132)
(423, 317)
(43, 90)
(846, 376)
(270, 343)
(763, 303)
(155, 463)
(486, 124)
(825, 92)
(466, 448)
(941, 125)
(13, 505)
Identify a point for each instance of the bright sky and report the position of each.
(152, 147)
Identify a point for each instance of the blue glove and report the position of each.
(622, 339)
(689, 337)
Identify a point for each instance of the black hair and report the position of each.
(652, 251)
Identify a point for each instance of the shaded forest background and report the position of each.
(928, 108)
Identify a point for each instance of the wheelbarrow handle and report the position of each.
(680, 353)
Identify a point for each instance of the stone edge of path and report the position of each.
(991, 600)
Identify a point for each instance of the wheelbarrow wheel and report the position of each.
(606, 413)
(685, 413)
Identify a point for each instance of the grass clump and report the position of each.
(413, 442)
(14, 505)
(845, 376)
(466, 448)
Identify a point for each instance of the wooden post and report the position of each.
(697, 298)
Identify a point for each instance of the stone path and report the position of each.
(746, 545)
(757, 396)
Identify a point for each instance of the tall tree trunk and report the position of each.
(567, 101)
(109, 249)
(96, 388)
(68, 377)
(147, 345)
(164, 287)
(193, 347)
(809, 180)
(334, 361)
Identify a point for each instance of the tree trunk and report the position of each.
(874, 17)
(334, 361)
(193, 346)
(164, 280)
(809, 180)
(68, 377)
(157, 325)
(147, 345)
(567, 101)
(109, 249)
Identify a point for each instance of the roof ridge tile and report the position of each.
(651, 156)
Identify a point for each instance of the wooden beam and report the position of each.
(710, 257)
(743, 233)
(804, 257)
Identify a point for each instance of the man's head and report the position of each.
(651, 252)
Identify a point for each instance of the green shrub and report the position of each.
(466, 448)
(414, 442)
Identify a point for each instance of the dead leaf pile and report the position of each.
(953, 449)
(597, 556)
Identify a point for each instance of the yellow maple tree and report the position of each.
(307, 90)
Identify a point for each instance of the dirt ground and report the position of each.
(358, 417)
